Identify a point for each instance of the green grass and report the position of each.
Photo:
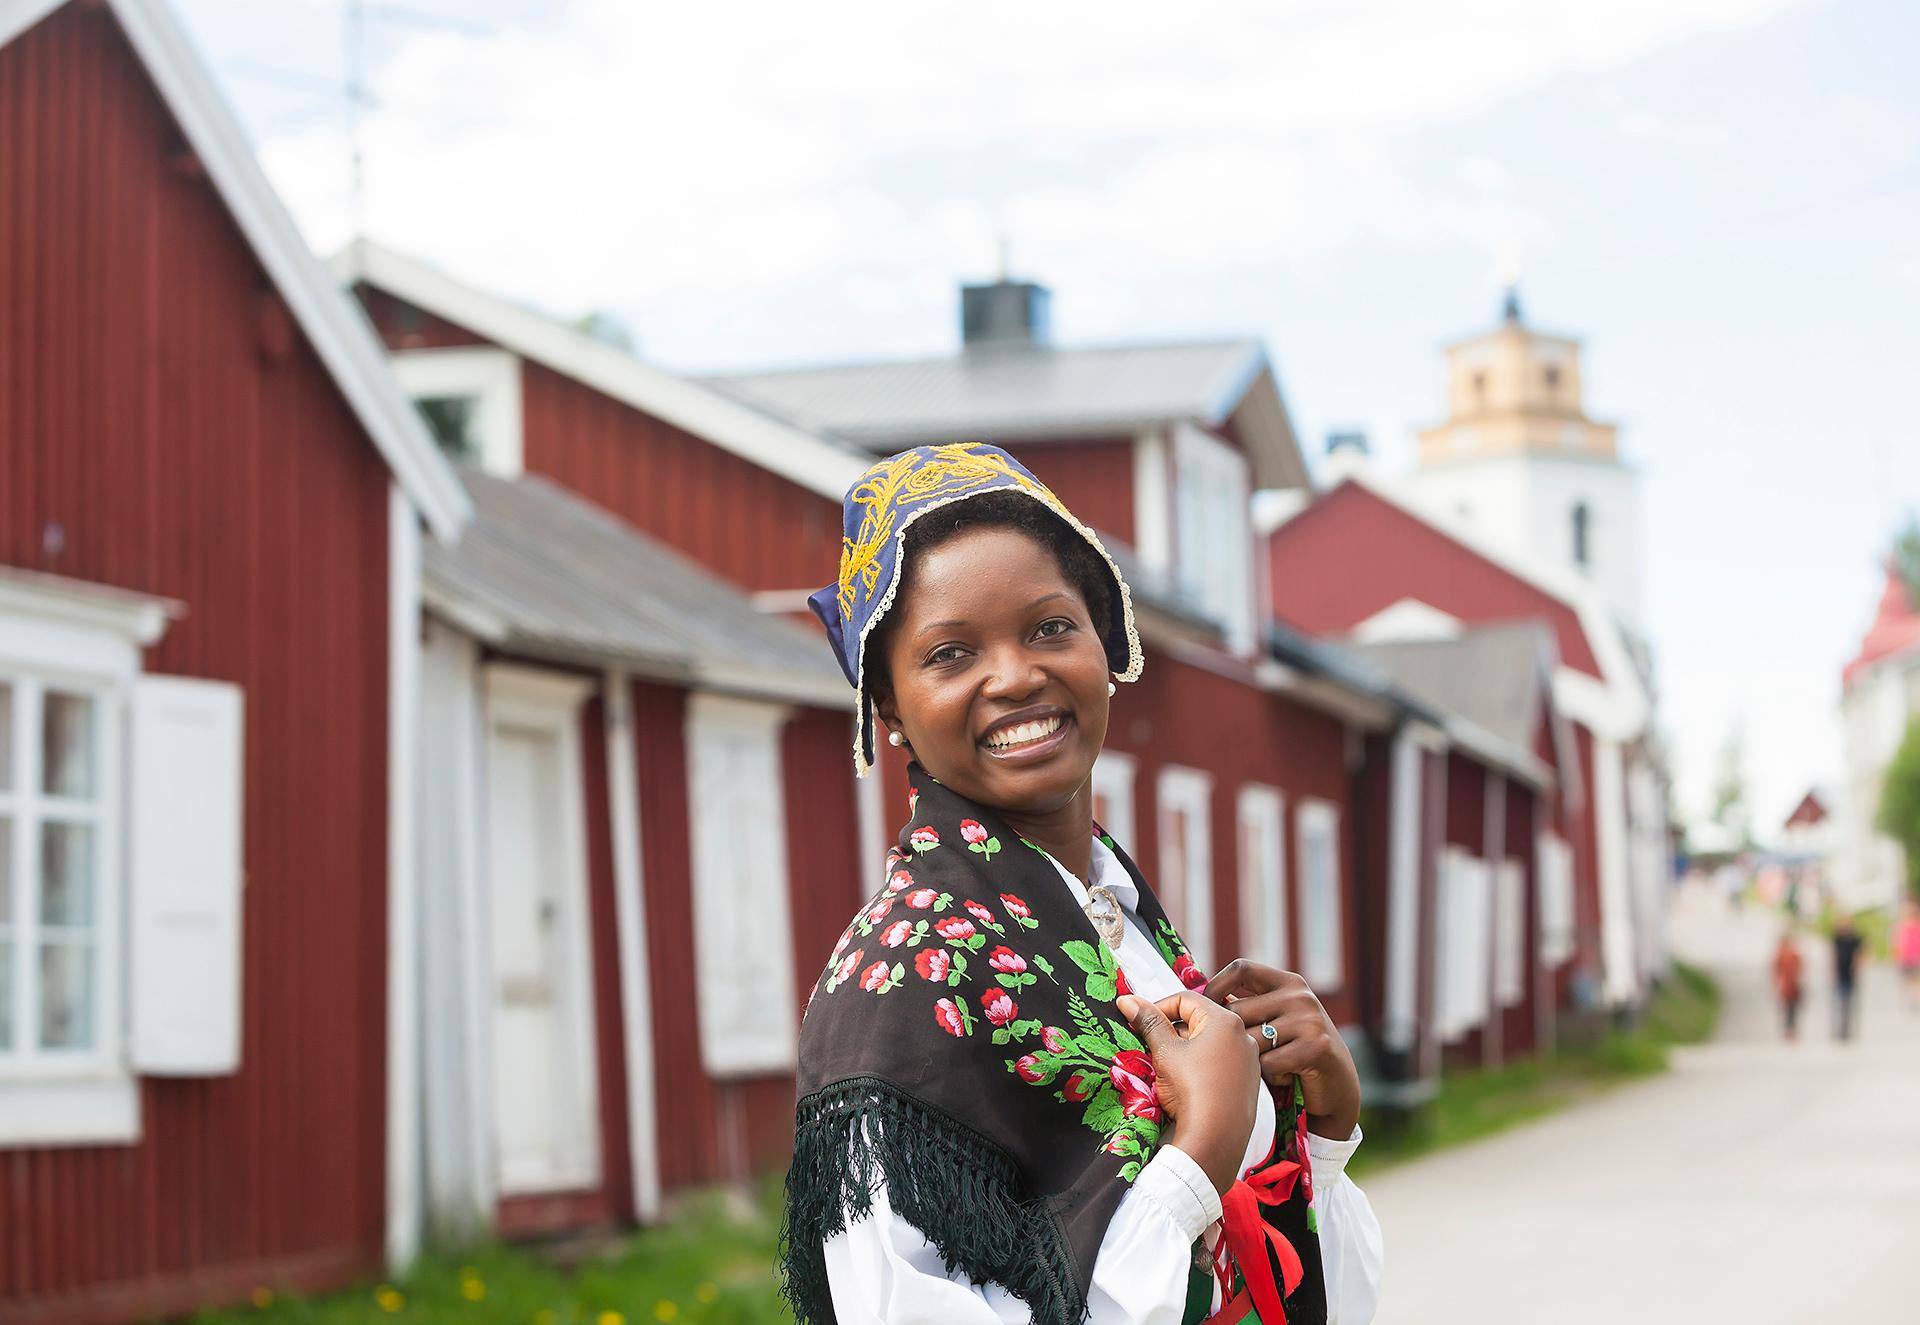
(714, 1263)
(1475, 1104)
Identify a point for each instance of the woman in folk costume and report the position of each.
(1019, 1100)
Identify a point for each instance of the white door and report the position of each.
(546, 1113)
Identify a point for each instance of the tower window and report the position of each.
(1552, 375)
(1582, 535)
(1480, 389)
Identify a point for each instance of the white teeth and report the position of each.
(1027, 731)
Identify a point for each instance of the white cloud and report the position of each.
(637, 155)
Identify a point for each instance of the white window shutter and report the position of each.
(743, 941)
(185, 871)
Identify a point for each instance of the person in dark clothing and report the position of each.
(1846, 964)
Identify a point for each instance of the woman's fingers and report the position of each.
(1241, 977)
(1190, 1009)
(1295, 1056)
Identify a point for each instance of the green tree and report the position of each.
(1906, 557)
(1899, 814)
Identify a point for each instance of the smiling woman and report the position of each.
(994, 1123)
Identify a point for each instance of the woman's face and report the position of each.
(999, 681)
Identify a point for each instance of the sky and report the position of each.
(1719, 197)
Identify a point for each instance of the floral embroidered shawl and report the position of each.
(963, 1045)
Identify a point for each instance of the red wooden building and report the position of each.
(211, 496)
(662, 634)
(1404, 573)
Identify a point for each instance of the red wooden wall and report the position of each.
(1384, 555)
(144, 416)
(1093, 476)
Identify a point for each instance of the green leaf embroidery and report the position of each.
(966, 1017)
(1042, 962)
(1125, 1038)
(1102, 987)
(1104, 1111)
(1084, 955)
(1130, 1170)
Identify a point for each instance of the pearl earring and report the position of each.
(1111, 688)
(895, 738)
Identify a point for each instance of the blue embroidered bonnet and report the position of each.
(882, 505)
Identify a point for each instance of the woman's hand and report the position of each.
(1306, 1044)
(1206, 1071)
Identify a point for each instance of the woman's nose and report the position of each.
(1013, 675)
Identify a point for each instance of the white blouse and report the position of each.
(883, 1271)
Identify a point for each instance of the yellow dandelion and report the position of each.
(707, 1292)
(612, 1318)
(665, 1310)
(472, 1289)
(261, 1298)
(389, 1298)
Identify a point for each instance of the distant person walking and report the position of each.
(1906, 951)
(1787, 966)
(1846, 966)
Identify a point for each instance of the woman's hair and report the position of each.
(1081, 565)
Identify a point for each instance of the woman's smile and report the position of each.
(1028, 736)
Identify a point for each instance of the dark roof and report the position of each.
(1339, 663)
(1007, 390)
(1493, 676)
(546, 573)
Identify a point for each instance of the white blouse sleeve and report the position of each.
(883, 1271)
(1352, 1253)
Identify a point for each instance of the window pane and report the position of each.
(66, 874)
(66, 996)
(6, 994)
(6, 736)
(68, 745)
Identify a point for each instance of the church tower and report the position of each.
(1520, 463)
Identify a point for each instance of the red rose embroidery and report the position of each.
(840, 947)
(1030, 1070)
(1133, 1077)
(899, 881)
(1120, 985)
(980, 912)
(1055, 1039)
(948, 1016)
(922, 898)
(1001, 1009)
(923, 839)
(955, 928)
(880, 909)
(896, 933)
(874, 977)
(933, 964)
(847, 965)
(1189, 973)
(973, 830)
(1014, 905)
(1079, 1087)
(1008, 961)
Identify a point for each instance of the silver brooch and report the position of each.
(1103, 910)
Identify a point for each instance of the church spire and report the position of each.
(1510, 310)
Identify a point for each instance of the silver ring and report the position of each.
(1273, 1036)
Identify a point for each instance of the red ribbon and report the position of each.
(1246, 1241)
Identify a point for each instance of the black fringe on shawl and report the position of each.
(946, 1179)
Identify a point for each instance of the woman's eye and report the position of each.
(945, 654)
(1054, 626)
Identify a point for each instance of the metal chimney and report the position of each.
(1005, 313)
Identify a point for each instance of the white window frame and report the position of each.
(1510, 932)
(1322, 928)
(86, 639)
(491, 377)
(1212, 535)
(771, 1044)
(1557, 924)
(1462, 939)
(1189, 792)
(1113, 778)
(1262, 816)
